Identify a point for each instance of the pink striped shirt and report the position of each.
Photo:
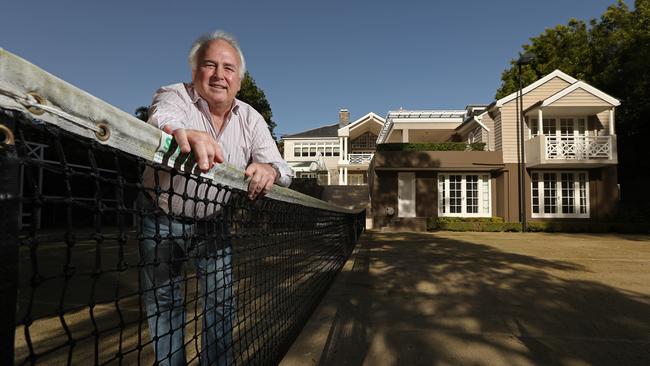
(244, 138)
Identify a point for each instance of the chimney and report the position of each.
(344, 117)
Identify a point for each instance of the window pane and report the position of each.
(443, 194)
(550, 200)
(568, 199)
(486, 194)
(549, 126)
(535, 189)
(455, 193)
(580, 127)
(367, 141)
(471, 193)
(582, 186)
(566, 126)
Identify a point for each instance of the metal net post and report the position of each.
(9, 221)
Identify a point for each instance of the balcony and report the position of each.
(360, 158)
(571, 152)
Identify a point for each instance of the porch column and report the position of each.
(329, 178)
(405, 136)
(611, 122)
(540, 121)
(345, 176)
(345, 147)
(342, 157)
(341, 177)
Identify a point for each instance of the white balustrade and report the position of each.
(360, 158)
(579, 147)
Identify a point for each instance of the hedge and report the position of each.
(492, 224)
(495, 224)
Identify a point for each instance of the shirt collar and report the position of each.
(195, 97)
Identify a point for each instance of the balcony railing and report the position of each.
(579, 148)
(360, 158)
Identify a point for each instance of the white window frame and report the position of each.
(532, 132)
(311, 149)
(558, 194)
(484, 181)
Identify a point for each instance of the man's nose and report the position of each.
(218, 72)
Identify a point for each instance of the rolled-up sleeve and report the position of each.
(168, 109)
(265, 150)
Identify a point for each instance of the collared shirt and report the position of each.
(243, 138)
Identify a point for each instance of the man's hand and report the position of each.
(206, 149)
(262, 178)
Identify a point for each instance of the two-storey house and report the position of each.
(569, 159)
(335, 154)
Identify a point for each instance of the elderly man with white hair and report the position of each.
(205, 118)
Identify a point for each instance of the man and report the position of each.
(205, 118)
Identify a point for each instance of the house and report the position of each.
(570, 169)
(335, 154)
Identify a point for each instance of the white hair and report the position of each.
(205, 39)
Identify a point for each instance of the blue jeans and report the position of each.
(162, 278)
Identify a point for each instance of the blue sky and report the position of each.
(310, 57)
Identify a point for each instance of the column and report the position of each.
(329, 177)
(345, 175)
(345, 144)
(540, 121)
(341, 177)
(611, 122)
(405, 136)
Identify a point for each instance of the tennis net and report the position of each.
(92, 258)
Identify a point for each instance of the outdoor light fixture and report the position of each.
(524, 59)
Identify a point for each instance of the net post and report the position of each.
(9, 221)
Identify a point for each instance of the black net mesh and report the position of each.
(110, 273)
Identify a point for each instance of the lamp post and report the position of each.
(524, 59)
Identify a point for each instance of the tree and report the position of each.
(612, 54)
(142, 113)
(253, 95)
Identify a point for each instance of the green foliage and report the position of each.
(588, 227)
(250, 93)
(477, 146)
(488, 224)
(142, 113)
(497, 224)
(610, 53)
(443, 146)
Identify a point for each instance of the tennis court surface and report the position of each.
(485, 299)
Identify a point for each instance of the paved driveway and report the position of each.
(485, 299)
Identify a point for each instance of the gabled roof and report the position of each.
(371, 115)
(476, 119)
(584, 86)
(324, 131)
(554, 74)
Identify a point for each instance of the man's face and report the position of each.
(216, 77)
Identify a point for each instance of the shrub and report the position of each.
(477, 146)
(496, 224)
(492, 224)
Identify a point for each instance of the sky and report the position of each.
(311, 58)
